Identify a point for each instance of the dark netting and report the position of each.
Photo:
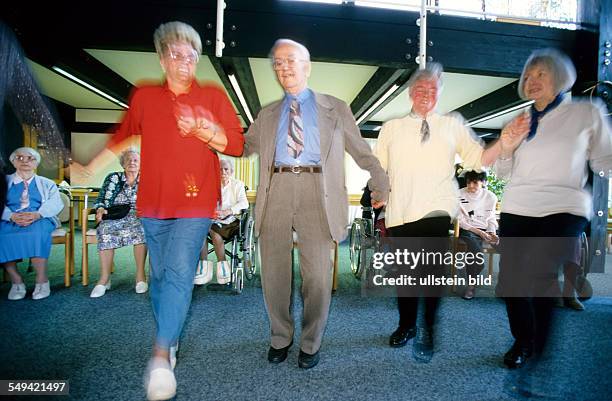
(19, 90)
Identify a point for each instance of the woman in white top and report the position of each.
(547, 202)
(418, 153)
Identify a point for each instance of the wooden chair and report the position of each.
(61, 236)
(88, 236)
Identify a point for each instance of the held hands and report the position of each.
(24, 219)
(99, 213)
(513, 134)
(376, 203)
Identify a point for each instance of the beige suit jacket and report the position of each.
(338, 133)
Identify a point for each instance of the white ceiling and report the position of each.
(341, 80)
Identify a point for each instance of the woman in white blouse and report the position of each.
(546, 203)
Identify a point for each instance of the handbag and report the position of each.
(117, 212)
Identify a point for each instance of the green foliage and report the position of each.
(495, 185)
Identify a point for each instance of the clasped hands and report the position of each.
(195, 121)
(24, 219)
(222, 214)
(491, 238)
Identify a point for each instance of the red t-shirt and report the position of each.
(179, 176)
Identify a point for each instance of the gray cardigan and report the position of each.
(51, 205)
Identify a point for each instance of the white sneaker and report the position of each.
(17, 292)
(173, 351)
(100, 289)
(204, 272)
(223, 272)
(41, 291)
(141, 287)
(160, 382)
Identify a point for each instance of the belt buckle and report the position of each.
(296, 169)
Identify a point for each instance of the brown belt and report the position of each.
(298, 169)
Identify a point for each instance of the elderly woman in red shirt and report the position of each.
(182, 126)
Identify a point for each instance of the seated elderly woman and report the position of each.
(224, 227)
(28, 219)
(118, 229)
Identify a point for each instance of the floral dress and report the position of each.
(126, 231)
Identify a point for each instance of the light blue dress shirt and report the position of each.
(311, 154)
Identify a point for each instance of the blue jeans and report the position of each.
(174, 248)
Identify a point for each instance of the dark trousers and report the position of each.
(532, 250)
(474, 245)
(408, 300)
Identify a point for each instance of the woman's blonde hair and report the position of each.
(176, 31)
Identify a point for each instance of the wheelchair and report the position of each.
(242, 253)
(364, 240)
(583, 286)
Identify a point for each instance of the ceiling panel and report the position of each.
(64, 90)
(343, 81)
(458, 90)
(138, 67)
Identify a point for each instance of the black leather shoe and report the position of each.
(307, 361)
(422, 350)
(517, 356)
(400, 337)
(278, 355)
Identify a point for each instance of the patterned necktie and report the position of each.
(295, 139)
(24, 199)
(424, 131)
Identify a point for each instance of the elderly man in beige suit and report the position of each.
(301, 141)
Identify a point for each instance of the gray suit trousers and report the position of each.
(295, 203)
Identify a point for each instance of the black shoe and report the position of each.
(516, 356)
(278, 355)
(400, 337)
(307, 361)
(422, 350)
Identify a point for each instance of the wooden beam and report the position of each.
(343, 33)
(85, 67)
(378, 84)
(491, 103)
(401, 81)
(241, 67)
(221, 67)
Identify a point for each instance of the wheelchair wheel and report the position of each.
(583, 286)
(357, 247)
(249, 250)
(238, 284)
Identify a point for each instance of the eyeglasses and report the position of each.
(22, 158)
(278, 63)
(191, 58)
